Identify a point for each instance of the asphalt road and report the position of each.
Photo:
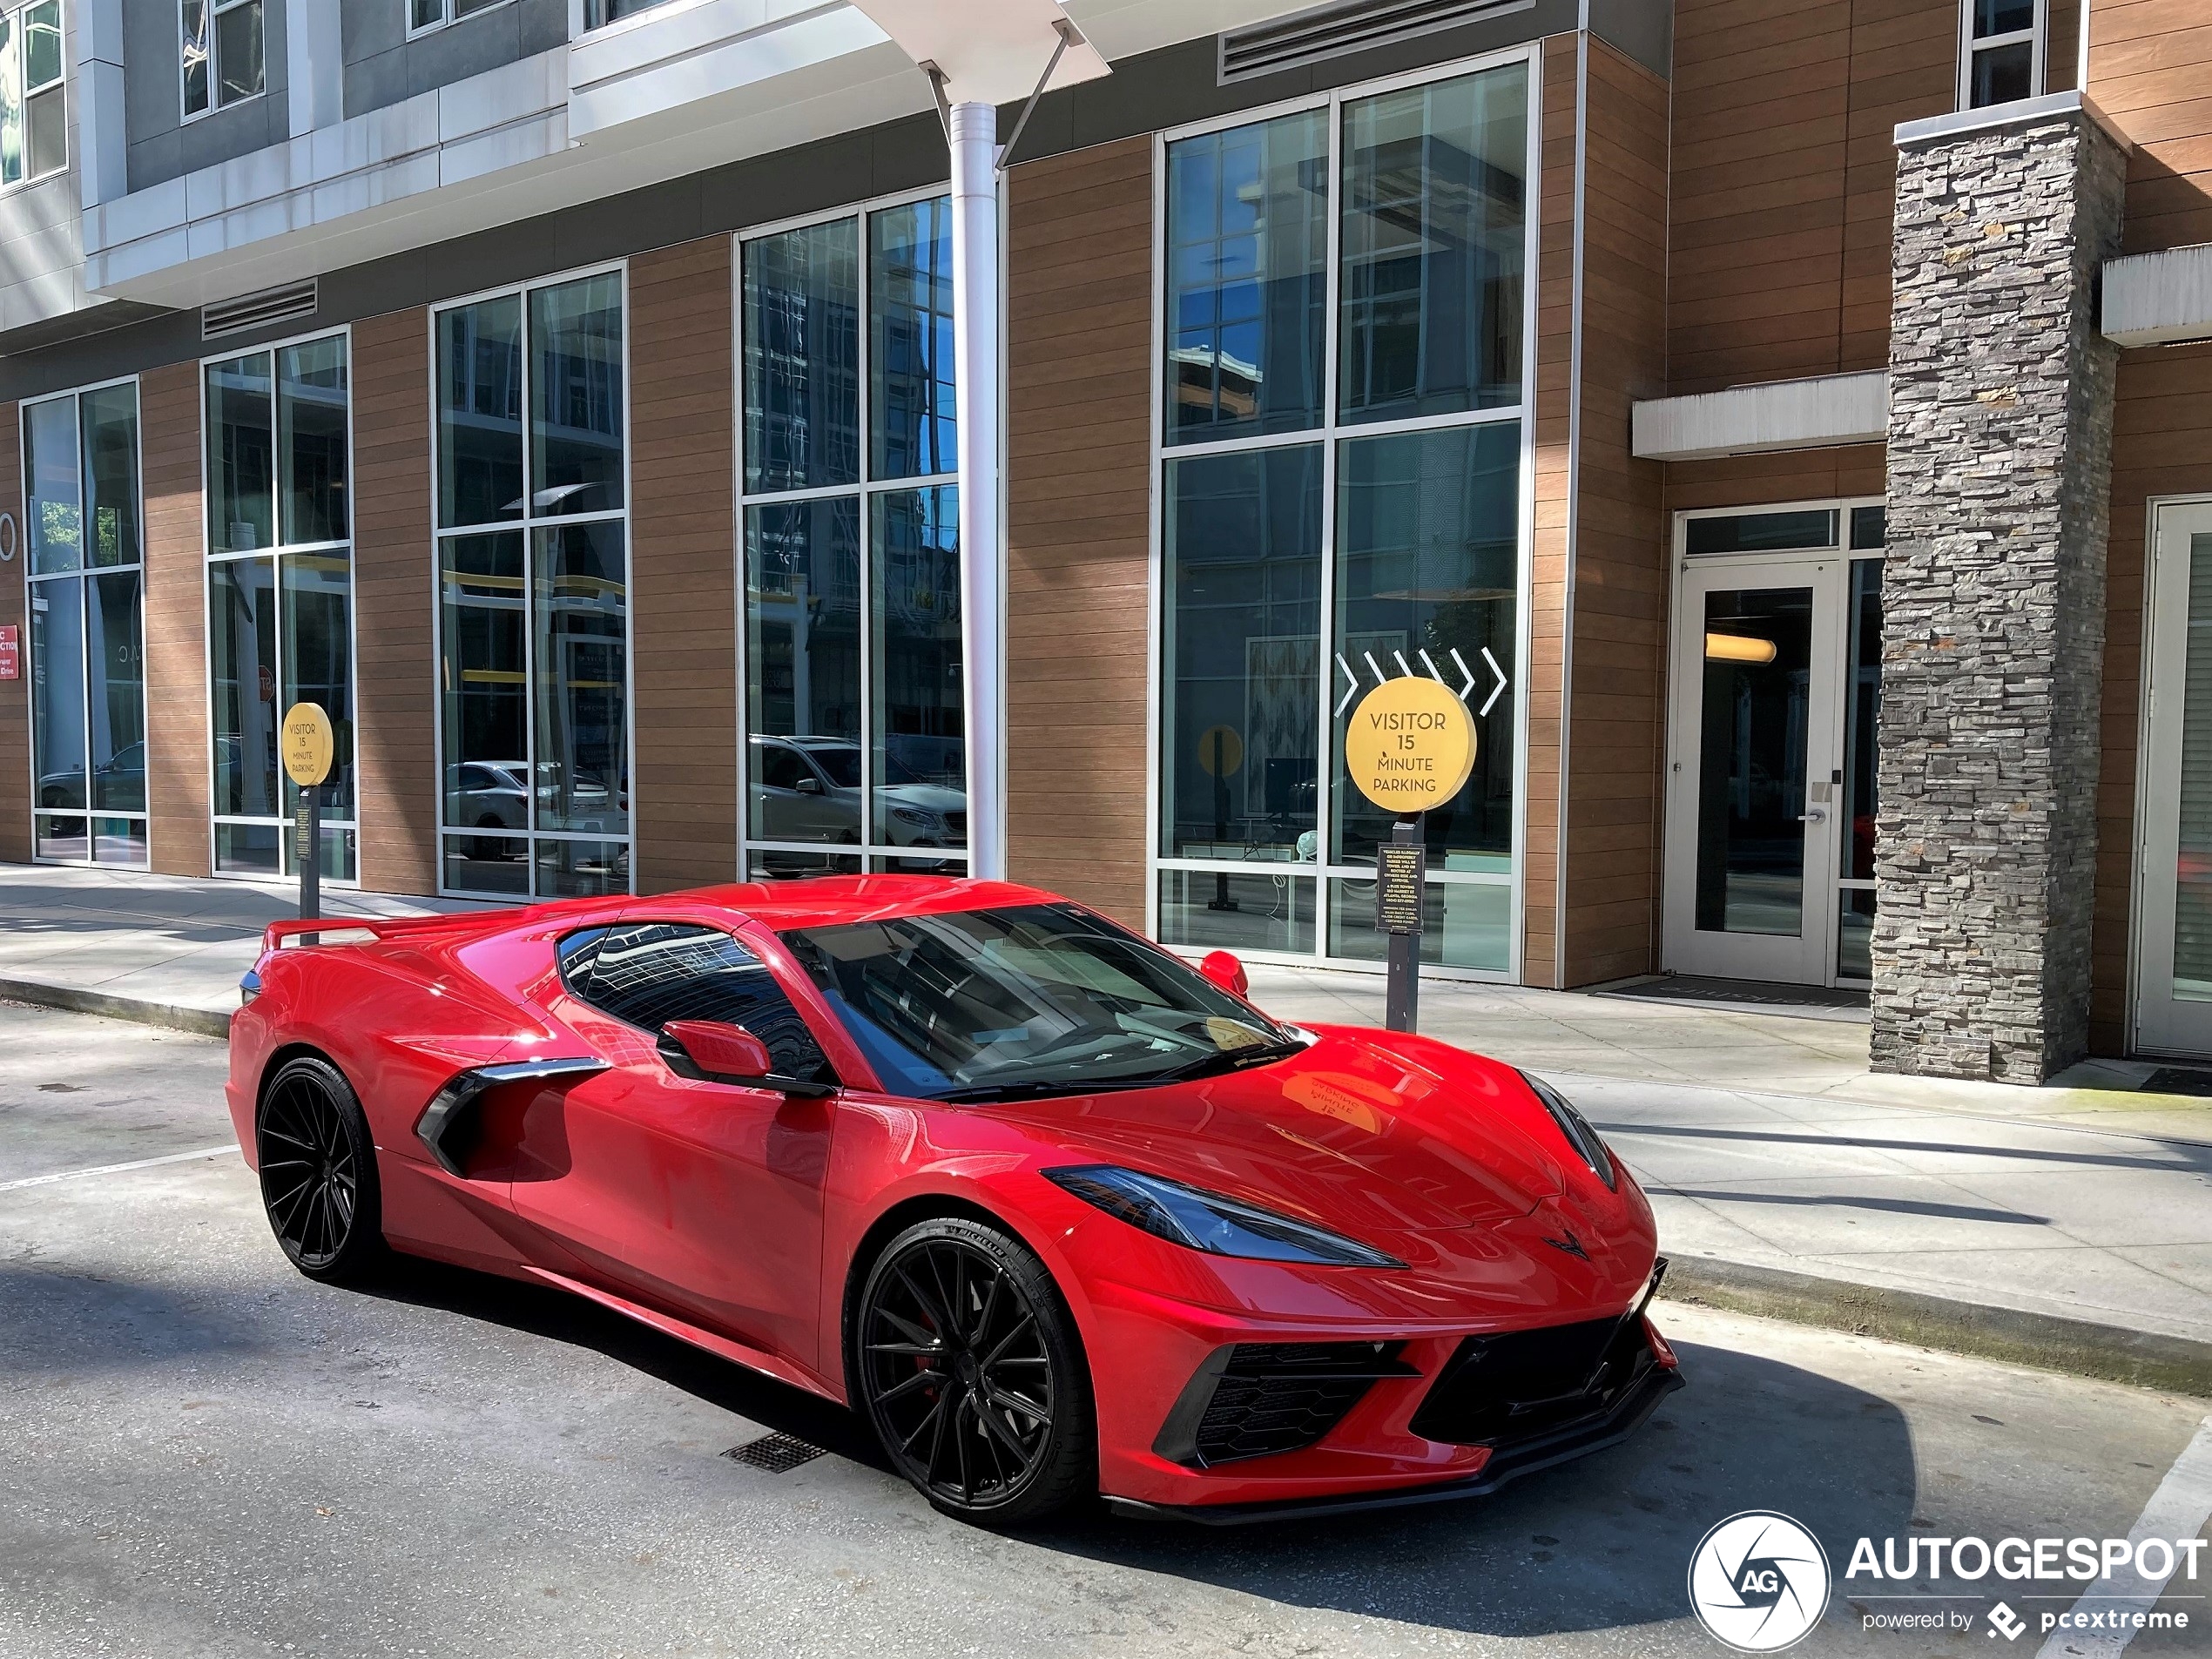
(203, 1454)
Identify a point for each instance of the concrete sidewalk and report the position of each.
(2069, 1226)
(164, 950)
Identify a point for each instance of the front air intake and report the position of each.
(1347, 26)
(295, 301)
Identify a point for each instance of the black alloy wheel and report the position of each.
(972, 1375)
(318, 1170)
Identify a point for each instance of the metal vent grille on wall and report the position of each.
(271, 306)
(1349, 26)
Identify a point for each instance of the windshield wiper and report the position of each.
(1230, 1060)
(1040, 1088)
(1203, 1066)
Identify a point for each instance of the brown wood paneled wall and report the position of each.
(1616, 683)
(683, 567)
(1785, 178)
(15, 695)
(1553, 442)
(1795, 475)
(177, 756)
(2162, 445)
(1078, 543)
(396, 681)
(2150, 70)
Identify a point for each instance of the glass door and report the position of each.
(2174, 935)
(1765, 797)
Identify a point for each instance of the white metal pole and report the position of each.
(973, 132)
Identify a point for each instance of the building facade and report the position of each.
(1787, 426)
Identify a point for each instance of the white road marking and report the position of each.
(118, 1168)
(2178, 1509)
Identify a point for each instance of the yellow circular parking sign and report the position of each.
(1410, 747)
(308, 744)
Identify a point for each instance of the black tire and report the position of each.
(319, 1185)
(967, 1364)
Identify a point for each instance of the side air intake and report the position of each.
(294, 301)
(1348, 26)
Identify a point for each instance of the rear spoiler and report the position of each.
(347, 930)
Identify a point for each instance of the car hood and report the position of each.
(1350, 1134)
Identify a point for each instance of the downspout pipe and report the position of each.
(972, 131)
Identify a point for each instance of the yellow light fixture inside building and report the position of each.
(1738, 648)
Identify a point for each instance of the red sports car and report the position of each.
(1057, 1213)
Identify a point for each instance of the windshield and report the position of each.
(1026, 1001)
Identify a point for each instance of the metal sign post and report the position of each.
(1409, 748)
(307, 749)
(1399, 865)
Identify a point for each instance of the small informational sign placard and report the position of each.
(1410, 746)
(1398, 887)
(11, 653)
(308, 744)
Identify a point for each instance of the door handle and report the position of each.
(1813, 815)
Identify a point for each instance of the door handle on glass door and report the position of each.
(1813, 815)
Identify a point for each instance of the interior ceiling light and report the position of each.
(1738, 648)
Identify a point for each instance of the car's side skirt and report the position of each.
(698, 1336)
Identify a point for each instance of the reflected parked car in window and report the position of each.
(808, 789)
(491, 795)
(119, 783)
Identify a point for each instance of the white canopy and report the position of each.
(990, 52)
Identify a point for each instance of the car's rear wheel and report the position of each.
(319, 1172)
(970, 1371)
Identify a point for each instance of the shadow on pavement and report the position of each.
(1600, 1544)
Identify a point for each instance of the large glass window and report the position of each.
(855, 748)
(1342, 456)
(534, 592)
(223, 53)
(2000, 54)
(34, 125)
(88, 706)
(279, 594)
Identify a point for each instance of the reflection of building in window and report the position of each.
(854, 693)
(34, 124)
(533, 616)
(1306, 555)
(223, 52)
(279, 593)
(87, 668)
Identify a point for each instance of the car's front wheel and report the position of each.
(969, 1369)
(318, 1170)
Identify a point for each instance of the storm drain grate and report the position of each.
(778, 1454)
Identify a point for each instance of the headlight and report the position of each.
(1207, 1221)
(1576, 1128)
(915, 816)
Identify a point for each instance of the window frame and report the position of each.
(1316, 878)
(276, 552)
(84, 572)
(865, 488)
(2037, 34)
(448, 15)
(14, 14)
(526, 525)
(215, 102)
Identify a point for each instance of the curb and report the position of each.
(170, 1016)
(2045, 1341)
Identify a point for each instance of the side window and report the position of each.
(648, 973)
(779, 767)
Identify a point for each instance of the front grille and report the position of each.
(1500, 1390)
(1274, 1397)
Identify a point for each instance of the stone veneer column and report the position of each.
(1999, 467)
